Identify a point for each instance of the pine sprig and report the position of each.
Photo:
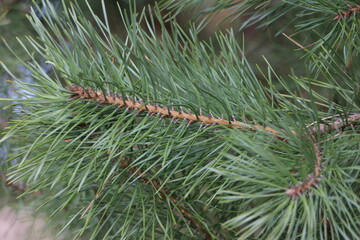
(126, 174)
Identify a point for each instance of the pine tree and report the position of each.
(161, 135)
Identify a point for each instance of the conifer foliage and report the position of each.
(160, 135)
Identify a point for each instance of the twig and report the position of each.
(19, 186)
(298, 44)
(96, 197)
(113, 99)
(312, 180)
(15, 185)
(346, 14)
(338, 124)
(165, 193)
(3, 124)
(293, 41)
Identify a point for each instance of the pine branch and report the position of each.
(72, 146)
(300, 188)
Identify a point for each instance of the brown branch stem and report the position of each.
(113, 99)
(312, 180)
